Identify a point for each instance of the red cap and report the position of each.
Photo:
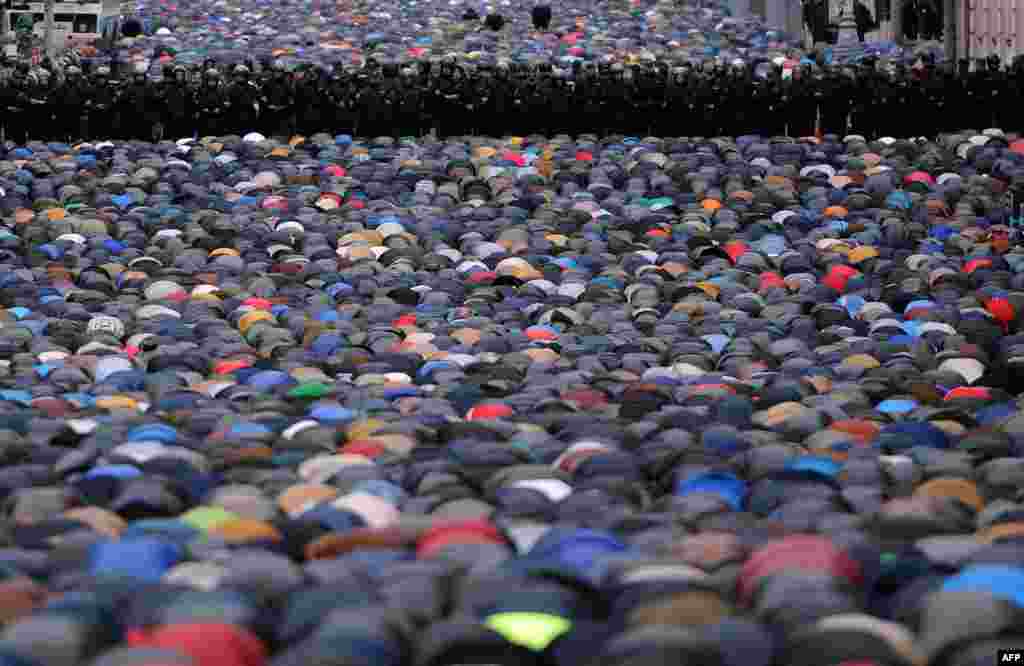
(805, 553)
(480, 277)
(207, 643)
(464, 531)
(969, 392)
(227, 367)
(975, 264)
(839, 276)
(364, 447)
(489, 412)
(1002, 310)
(258, 303)
(771, 280)
(735, 250)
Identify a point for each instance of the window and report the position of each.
(85, 23)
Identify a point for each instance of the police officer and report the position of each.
(72, 116)
(100, 104)
(446, 99)
(999, 94)
(561, 105)
(341, 95)
(804, 103)
(1015, 83)
(678, 118)
(775, 102)
(212, 104)
(138, 109)
(306, 105)
(242, 117)
(278, 99)
(536, 102)
(861, 101)
(14, 105)
(41, 101)
(979, 92)
(121, 111)
(178, 103)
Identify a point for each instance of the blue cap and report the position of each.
(52, 251)
(908, 434)
(578, 552)
(143, 558)
(817, 465)
(153, 432)
(332, 414)
(114, 246)
(897, 405)
(268, 379)
(122, 472)
(248, 429)
(1004, 582)
(165, 529)
(729, 487)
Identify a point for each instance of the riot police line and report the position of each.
(447, 98)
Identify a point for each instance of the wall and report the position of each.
(783, 15)
(991, 27)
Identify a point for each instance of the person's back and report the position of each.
(541, 16)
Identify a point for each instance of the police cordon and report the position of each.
(76, 98)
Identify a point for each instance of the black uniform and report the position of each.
(242, 117)
(41, 101)
(308, 103)
(179, 106)
(212, 107)
(139, 112)
(278, 100)
(861, 101)
(561, 107)
(805, 106)
(342, 115)
(13, 104)
(70, 112)
(100, 104)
